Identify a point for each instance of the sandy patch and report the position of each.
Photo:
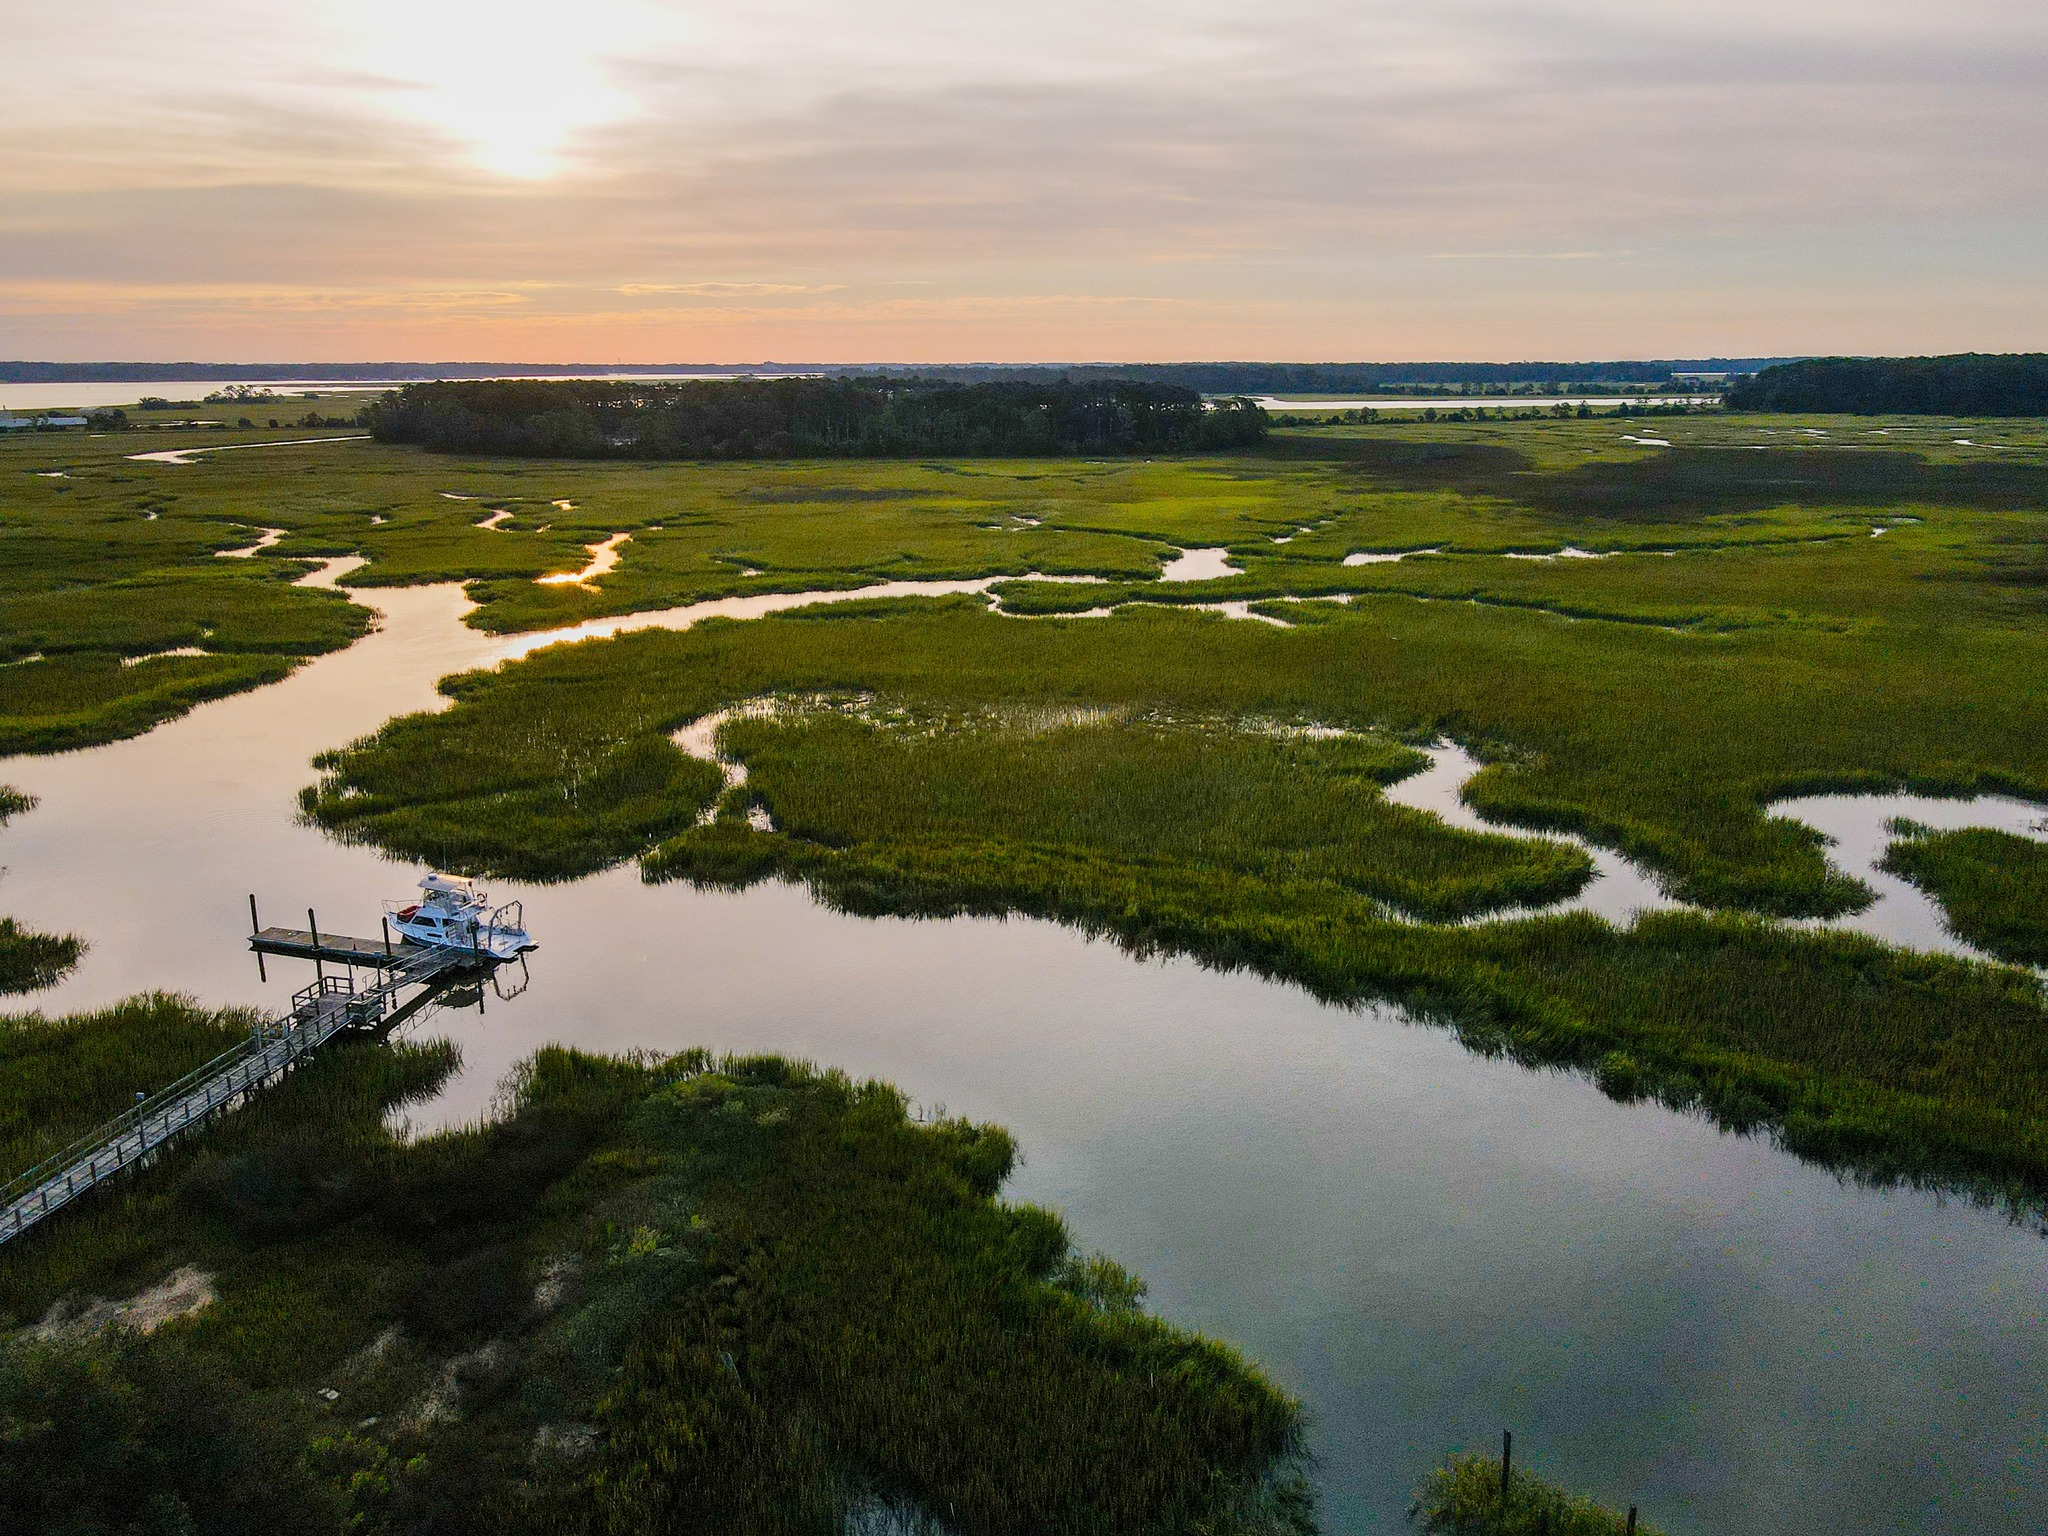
(182, 1293)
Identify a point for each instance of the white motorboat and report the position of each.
(453, 913)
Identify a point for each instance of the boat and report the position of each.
(454, 913)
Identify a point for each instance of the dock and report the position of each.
(335, 949)
(330, 1007)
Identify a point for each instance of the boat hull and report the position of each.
(494, 944)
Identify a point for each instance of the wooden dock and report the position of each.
(320, 1012)
(336, 949)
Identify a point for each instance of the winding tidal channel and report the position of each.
(1428, 1246)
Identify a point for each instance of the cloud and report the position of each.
(1309, 175)
(1530, 255)
(725, 290)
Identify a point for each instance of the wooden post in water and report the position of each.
(313, 927)
(1507, 1457)
(256, 927)
(387, 936)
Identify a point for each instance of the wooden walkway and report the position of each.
(304, 944)
(319, 1013)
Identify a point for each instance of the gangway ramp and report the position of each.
(329, 1007)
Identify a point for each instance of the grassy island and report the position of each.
(1467, 1497)
(1993, 885)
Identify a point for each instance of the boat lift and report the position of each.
(330, 1007)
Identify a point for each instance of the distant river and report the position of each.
(45, 397)
(1426, 1245)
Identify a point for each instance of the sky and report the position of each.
(616, 181)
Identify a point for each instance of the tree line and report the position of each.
(1400, 378)
(1964, 384)
(808, 418)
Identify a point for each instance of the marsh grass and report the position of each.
(120, 1434)
(1463, 1497)
(906, 1362)
(1250, 851)
(659, 1294)
(1665, 746)
(117, 563)
(59, 1078)
(1191, 794)
(555, 804)
(117, 560)
(1993, 886)
(61, 703)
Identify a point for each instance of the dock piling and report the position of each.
(313, 927)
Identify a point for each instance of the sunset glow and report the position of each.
(630, 180)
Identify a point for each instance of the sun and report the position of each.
(515, 82)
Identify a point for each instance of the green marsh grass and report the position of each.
(1993, 886)
(655, 1295)
(104, 573)
(1262, 804)
(117, 560)
(1665, 745)
(62, 703)
(1463, 1497)
(62, 1077)
(121, 1434)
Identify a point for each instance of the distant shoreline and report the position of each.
(1259, 377)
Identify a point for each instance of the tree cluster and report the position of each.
(1401, 378)
(1966, 384)
(868, 417)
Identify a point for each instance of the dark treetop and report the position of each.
(809, 418)
(1967, 384)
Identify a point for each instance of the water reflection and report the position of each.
(1619, 888)
(1856, 828)
(1199, 565)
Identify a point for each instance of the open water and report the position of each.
(1427, 1246)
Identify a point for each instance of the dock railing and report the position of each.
(138, 1131)
(319, 1013)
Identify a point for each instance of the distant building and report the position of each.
(29, 423)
